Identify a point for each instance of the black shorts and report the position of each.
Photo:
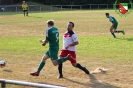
(25, 10)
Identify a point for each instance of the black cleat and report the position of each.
(86, 71)
(60, 76)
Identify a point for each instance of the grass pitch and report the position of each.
(20, 48)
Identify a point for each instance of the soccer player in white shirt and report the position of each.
(70, 41)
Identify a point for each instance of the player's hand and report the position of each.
(111, 28)
(41, 41)
(67, 46)
(43, 44)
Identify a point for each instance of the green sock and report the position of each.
(41, 66)
(118, 31)
(113, 34)
(61, 60)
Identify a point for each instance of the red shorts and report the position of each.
(64, 53)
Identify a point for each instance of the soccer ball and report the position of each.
(2, 64)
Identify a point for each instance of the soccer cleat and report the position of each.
(123, 32)
(86, 71)
(60, 76)
(34, 73)
(2, 64)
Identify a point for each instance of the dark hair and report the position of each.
(72, 24)
(50, 22)
(107, 14)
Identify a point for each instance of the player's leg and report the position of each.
(118, 31)
(54, 56)
(63, 59)
(41, 65)
(24, 12)
(77, 65)
(112, 32)
(63, 53)
(57, 61)
(60, 71)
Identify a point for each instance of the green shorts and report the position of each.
(115, 25)
(53, 53)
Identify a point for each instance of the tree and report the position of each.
(64, 2)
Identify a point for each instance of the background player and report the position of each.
(52, 37)
(114, 25)
(25, 8)
(69, 47)
(2, 63)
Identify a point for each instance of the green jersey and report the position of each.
(113, 20)
(52, 35)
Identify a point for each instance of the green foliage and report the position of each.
(62, 2)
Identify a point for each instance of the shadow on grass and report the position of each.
(8, 70)
(94, 83)
(35, 16)
(49, 84)
(76, 82)
(127, 39)
(97, 84)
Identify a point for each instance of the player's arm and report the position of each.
(111, 21)
(27, 6)
(73, 44)
(22, 6)
(112, 24)
(44, 42)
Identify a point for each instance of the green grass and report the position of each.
(20, 48)
(99, 47)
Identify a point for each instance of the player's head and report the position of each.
(23, 1)
(107, 15)
(50, 23)
(70, 26)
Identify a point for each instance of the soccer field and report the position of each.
(20, 48)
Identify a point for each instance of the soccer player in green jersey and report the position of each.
(52, 37)
(114, 25)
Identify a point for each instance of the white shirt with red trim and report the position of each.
(69, 38)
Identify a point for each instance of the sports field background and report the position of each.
(20, 48)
